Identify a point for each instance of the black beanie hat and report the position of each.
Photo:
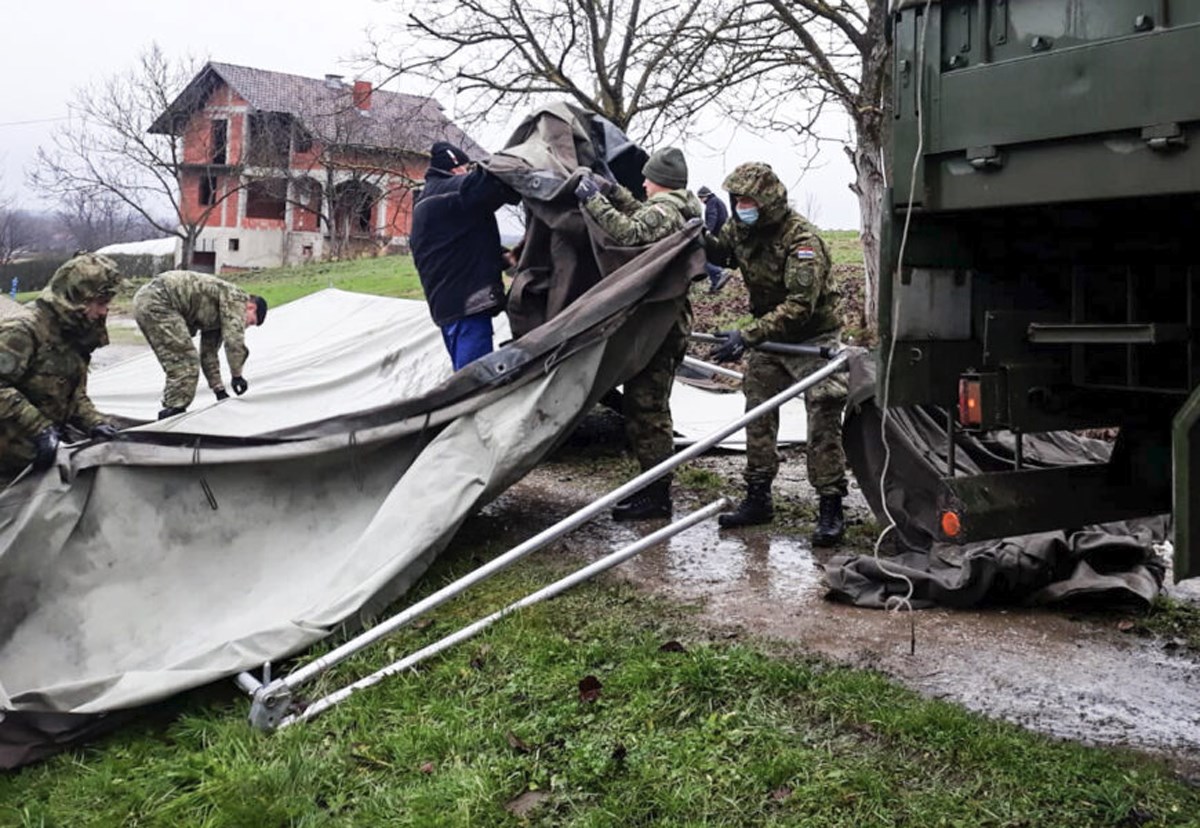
(260, 308)
(445, 156)
(667, 168)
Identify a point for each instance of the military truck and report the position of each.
(1041, 251)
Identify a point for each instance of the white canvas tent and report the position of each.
(246, 530)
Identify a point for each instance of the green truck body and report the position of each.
(1041, 248)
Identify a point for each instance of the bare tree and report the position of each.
(92, 220)
(13, 228)
(651, 68)
(345, 163)
(826, 52)
(107, 149)
(648, 68)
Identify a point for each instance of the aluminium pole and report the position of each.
(278, 692)
(607, 562)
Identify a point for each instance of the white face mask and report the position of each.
(747, 215)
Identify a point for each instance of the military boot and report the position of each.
(756, 508)
(831, 523)
(654, 501)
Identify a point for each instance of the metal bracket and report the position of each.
(985, 158)
(272, 702)
(1164, 137)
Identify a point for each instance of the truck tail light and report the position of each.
(970, 402)
(951, 524)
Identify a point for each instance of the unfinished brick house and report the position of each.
(280, 169)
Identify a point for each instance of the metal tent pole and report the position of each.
(561, 585)
(271, 699)
(712, 368)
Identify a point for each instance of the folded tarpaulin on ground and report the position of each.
(247, 530)
(1115, 562)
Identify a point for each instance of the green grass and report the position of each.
(844, 246)
(713, 732)
(1176, 624)
(384, 276)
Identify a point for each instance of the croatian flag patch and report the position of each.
(805, 253)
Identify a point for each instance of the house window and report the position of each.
(266, 198)
(233, 245)
(208, 190)
(220, 141)
(270, 139)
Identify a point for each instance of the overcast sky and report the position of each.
(47, 49)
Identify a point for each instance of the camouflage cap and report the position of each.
(86, 276)
(758, 181)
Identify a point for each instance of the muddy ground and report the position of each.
(1075, 676)
(1069, 675)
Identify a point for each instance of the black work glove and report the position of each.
(104, 431)
(239, 385)
(605, 185)
(45, 447)
(732, 349)
(171, 411)
(221, 394)
(587, 189)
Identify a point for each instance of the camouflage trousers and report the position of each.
(766, 376)
(167, 333)
(647, 397)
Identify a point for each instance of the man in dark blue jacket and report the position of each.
(456, 247)
(715, 216)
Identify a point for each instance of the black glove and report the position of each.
(239, 385)
(605, 185)
(104, 431)
(169, 412)
(732, 349)
(45, 448)
(221, 394)
(587, 189)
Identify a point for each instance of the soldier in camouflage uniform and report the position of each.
(785, 266)
(647, 395)
(172, 307)
(44, 358)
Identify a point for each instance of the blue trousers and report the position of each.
(713, 271)
(468, 339)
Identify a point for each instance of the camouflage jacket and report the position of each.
(784, 263)
(44, 358)
(213, 307)
(632, 223)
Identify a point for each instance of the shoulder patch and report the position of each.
(804, 252)
(9, 364)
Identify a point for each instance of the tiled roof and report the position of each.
(394, 120)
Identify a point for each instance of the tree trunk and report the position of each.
(869, 185)
(189, 248)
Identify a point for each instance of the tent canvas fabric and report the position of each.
(1115, 562)
(247, 530)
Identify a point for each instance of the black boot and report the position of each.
(756, 508)
(831, 523)
(654, 501)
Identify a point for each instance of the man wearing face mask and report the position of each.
(786, 269)
(44, 358)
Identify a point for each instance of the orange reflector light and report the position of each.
(970, 402)
(951, 524)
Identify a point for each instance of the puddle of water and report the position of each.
(1069, 678)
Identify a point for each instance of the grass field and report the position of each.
(385, 276)
(686, 729)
